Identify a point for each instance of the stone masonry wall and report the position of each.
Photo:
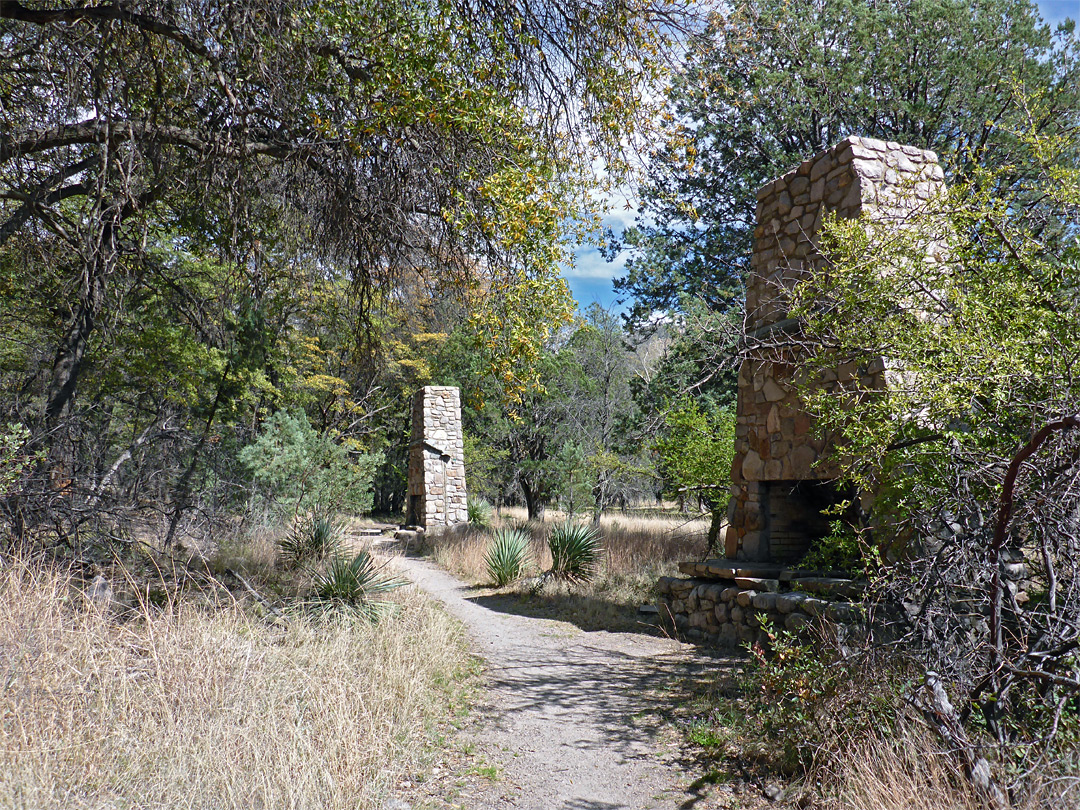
(771, 517)
(436, 459)
(724, 606)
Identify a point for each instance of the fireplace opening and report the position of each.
(794, 519)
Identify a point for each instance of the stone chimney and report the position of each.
(783, 471)
(436, 460)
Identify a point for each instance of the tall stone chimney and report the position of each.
(436, 460)
(783, 471)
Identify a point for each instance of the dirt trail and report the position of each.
(570, 719)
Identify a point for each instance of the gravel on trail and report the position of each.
(571, 718)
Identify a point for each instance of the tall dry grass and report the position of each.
(911, 771)
(637, 551)
(181, 707)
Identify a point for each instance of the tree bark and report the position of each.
(72, 350)
(534, 501)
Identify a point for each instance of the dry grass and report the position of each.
(911, 772)
(187, 707)
(637, 551)
(907, 773)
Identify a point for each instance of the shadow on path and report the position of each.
(578, 717)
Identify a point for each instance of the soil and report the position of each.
(572, 719)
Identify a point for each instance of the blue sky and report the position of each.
(590, 278)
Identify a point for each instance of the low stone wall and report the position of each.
(727, 606)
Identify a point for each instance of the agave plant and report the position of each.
(352, 585)
(575, 552)
(507, 555)
(312, 539)
(480, 513)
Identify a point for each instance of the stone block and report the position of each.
(682, 587)
(842, 612)
(829, 586)
(765, 601)
(753, 466)
(814, 606)
(758, 584)
(789, 602)
(773, 391)
(745, 598)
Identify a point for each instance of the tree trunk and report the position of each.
(599, 500)
(72, 349)
(534, 502)
(718, 515)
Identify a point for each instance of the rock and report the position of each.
(814, 606)
(773, 792)
(101, 592)
(1016, 571)
(758, 584)
(730, 569)
(752, 466)
(829, 586)
(648, 610)
(745, 598)
(765, 601)
(870, 169)
(773, 392)
(789, 602)
(841, 612)
(729, 594)
(681, 588)
(396, 804)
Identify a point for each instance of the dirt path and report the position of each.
(571, 716)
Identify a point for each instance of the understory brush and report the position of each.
(178, 704)
(847, 728)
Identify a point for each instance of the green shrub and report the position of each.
(313, 538)
(480, 513)
(807, 696)
(507, 555)
(294, 466)
(842, 549)
(575, 552)
(350, 585)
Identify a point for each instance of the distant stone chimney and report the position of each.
(782, 474)
(436, 460)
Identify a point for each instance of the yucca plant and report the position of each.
(507, 555)
(480, 513)
(352, 585)
(575, 552)
(313, 538)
